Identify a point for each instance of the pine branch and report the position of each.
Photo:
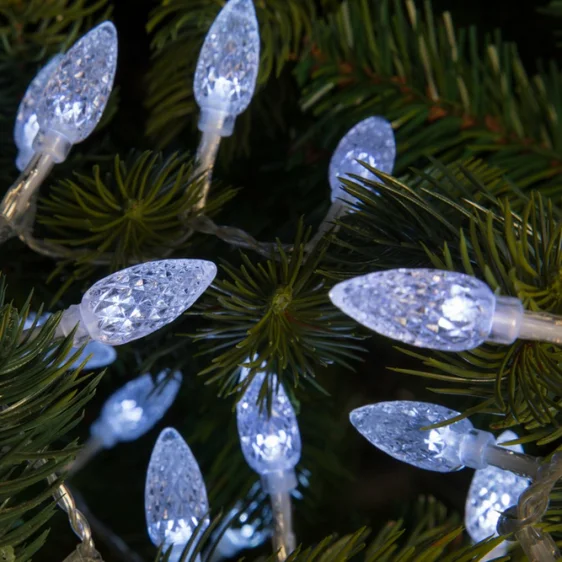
(42, 400)
(275, 313)
(129, 212)
(447, 93)
(34, 29)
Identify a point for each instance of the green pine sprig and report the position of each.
(274, 316)
(43, 397)
(448, 93)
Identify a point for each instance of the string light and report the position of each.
(137, 301)
(27, 126)
(370, 141)
(271, 443)
(491, 493)
(227, 69)
(76, 95)
(401, 429)
(440, 310)
(175, 494)
(134, 409)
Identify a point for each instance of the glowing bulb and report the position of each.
(27, 126)
(135, 408)
(227, 69)
(270, 443)
(422, 307)
(492, 492)
(371, 141)
(175, 495)
(75, 96)
(139, 300)
(394, 427)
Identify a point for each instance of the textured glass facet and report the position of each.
(139, 300)
(227, 69)
(423, 307)
(136, 408)
(76, 95)
(371, 141)
(175, 496)
(394, 427)
(491, 492)
(269, 443)
(27, 126)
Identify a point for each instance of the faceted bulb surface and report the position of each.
(136, 408)
(394, 427)
(141, 299)
(76, 95)
(175, 495)
(227, 69)
(269, 442)
(27, 125)
(371, 141)
(491, 492)
(422, 307)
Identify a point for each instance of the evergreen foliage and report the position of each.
(485, 202)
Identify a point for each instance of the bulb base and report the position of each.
(213, 120)
(71, 317)
(507, 320)
(279, 481)
(473, 448)
(53, 143)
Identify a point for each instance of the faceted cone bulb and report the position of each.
(27, 125)
(76, 95)
(422, 307)
(136, 408)
(370, 141)
(175, 495)
(491, 492)
(269, 443)
(394, 427)
(227, 69)
(141, 299)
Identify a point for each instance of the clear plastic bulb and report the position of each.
(227, 69)
(394, 427)
(134, 409)
(75, 97)
(27, 126)
(491, 492)
(270, 443)
(371, 141)
(175, 495)
(423, 307)
(139, 300)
